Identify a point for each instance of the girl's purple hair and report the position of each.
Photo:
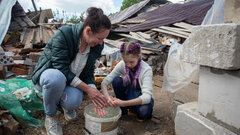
(126, 78)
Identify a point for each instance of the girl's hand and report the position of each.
(118, 102)
(110, 102)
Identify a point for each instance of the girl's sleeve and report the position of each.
(117, 71)
(147, 87)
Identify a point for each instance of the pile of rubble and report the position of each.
(156, 26)
(153, 24)
(26, 37)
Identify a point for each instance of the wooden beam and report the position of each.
(146, 36)
(118, 45)
(28, 44)
(133, 37)
(115, 43)
(184, 25)
(169, 32)
(175, 30)
(34, 5)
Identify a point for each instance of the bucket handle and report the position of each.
(85, 129)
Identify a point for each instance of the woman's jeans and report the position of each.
(52, 83)
(128, 93)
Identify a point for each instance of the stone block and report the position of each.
(215, 46)
(219, 96)
(188, 121)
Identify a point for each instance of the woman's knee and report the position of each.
(53, 79)
(71, 100)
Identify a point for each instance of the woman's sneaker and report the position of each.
(69, 115)
(53, 126)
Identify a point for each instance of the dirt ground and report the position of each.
(128, 125)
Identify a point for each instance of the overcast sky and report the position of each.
(75, 6)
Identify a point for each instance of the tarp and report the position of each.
(111, 53)
(5, 16)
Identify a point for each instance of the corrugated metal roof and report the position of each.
(191, 12)
(128, 12)
(17, 10)
(19, 19)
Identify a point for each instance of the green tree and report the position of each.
(128, 3)
(75, 19)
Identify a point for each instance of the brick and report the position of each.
(35, 56)
(20, 69)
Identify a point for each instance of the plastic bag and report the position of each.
(18, 96)
(177, 73)
(215, 14)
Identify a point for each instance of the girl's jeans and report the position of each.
(52, 84)
(128, 93)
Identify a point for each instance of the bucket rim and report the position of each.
(115, 118)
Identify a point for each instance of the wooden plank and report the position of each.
(48, 33)
(147, 52)
(184, 25)
(43, 16)
(28, 44)
(37, 38)
(118, 45)
(41, 34)
(132, 37)
(28, 21)
(148, 32)
(25, 36)
(122, 39)
(115, 43)
(134, 34)
(22, 35)
(169, 32)
(175, 30)
(146, 36)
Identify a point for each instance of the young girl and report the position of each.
(134, 89)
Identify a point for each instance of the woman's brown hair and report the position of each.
(96, 20)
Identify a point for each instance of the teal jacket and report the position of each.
(61, 50)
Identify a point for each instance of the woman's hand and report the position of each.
(97, 98)
(100, 111)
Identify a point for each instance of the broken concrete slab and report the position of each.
(219, 97)
(231, 11)
(189, 121)
(214, 45)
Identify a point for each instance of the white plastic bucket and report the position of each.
(106, 125)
